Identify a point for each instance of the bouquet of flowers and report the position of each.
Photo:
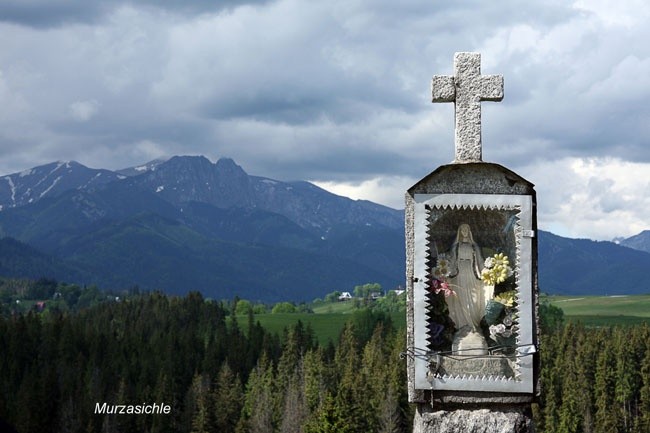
(500, 314)
(441, 272)
(496, 269)
(441, 327)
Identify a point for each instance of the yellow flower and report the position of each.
(497, 269)
(506, 298)
(501, 259)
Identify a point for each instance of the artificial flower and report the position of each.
(496, 269)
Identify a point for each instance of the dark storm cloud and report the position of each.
(334, 92)
(49, 13)
(54, 13)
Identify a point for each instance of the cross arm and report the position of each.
(492, 88)
(443, 88)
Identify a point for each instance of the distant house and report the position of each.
(399, 291)
(375, 295)
(345, 296)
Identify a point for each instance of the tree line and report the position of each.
(219, 376)
(190, 353)
(595, 380)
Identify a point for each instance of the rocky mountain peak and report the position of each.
(186, 161)
(229, 166)
(184, 179)
(639, 242)
(49, 180)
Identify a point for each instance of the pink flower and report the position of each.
(438, 286)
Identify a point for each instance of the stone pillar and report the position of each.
(458, 399)
(497, 419)
(471, 278)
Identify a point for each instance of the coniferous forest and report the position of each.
(192, 355)
(219, 376)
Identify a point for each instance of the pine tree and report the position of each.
(350, 395)
(374, 379)
(165, 423)
(585, 367)
(202, 421)
(259, 405)
(295, 407)
(626, 381)
(290, 358)
(228, 400)
(329, 418)
(550, 383)
(396, 367)
(390, 417)
(642, 423)
(314, 381)
(124, 423)
(570, 413)
(605, 417)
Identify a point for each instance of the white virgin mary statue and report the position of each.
(467, 307)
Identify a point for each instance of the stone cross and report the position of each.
(467, 88)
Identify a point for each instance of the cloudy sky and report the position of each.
(338, 93)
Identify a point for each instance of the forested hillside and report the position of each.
(595, 380)
(190, 353)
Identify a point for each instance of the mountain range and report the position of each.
(189, 224)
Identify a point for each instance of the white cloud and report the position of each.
(83, 111)
(625, 13)
(597, 198)
(389, 190)
(629, 81)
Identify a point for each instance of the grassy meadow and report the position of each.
(604, 310)
(327, 320)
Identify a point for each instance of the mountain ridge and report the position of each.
(185, 223)
(640, 241)
(28, 186)
(222, 219)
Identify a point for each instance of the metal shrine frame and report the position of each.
(433, 215)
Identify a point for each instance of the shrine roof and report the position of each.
(472, 178)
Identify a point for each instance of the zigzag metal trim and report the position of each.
(518, 236)
(477, 377)
(429, 264)
(464, 206)
(517, 270)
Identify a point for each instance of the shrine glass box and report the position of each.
(473, 302)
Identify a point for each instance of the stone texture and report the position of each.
(467, 88)
(483, 399)
(501, 420)
(479, 367)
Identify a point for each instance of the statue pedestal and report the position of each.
(468, 342)
(495, 366)
(470, 358)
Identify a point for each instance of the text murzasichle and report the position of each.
(133, 409)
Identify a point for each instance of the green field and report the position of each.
(604, 310)
(326, 321)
